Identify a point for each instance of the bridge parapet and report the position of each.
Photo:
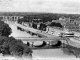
(38, 39)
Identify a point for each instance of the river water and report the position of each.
(42, 53)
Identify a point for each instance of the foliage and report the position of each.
(42, 27)
(71, 50)
(45, 19)
(5, 30)
(13, 47)
(9, 45)
(17, 49)
(34, 25)
(56, 24)
(27, 52)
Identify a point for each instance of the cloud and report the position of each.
(54, 6)
(37, 6)
(72, 6)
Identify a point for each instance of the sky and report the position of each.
(52, 6)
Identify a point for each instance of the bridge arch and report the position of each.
(14, 18)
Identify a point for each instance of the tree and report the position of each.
(17, 49)
(34, 25)
(27, 52)
(7, 43)
(56, 24)
(11, 46)
(5, 30)
(42, 27)
(59, 25)
(45, 19)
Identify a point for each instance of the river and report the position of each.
(42, 53)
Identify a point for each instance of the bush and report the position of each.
(27, 52)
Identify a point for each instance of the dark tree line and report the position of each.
(56, 24)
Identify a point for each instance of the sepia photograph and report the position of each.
(39, 29)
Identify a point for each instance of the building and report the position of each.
(62, 21)
(73, 27)
(71, 24)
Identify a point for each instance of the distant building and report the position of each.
(48, 22)
(73, 27)
(71, 24)
(63, 21)
(62, 18)
(53, 30)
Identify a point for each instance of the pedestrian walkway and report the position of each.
(38, 32)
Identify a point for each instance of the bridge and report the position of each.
(43, 43)
(49, 39)
(14, 18)
(35, 31)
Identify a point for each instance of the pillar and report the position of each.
(3, 17)
(10, 17)
(14, 18)
(49, 43)
(6, 17)
(17, 17)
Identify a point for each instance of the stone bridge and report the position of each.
(13, 18)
